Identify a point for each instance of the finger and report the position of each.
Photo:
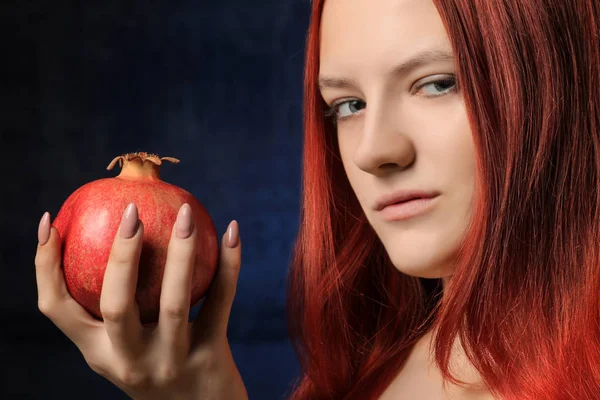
(117, 300)
(54, 300)
(213, 318)
(176, 288)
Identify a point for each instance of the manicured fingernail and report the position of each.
(44, 229)
(130, 221)
(184, 222)
(233, 234)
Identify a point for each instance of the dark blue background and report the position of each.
(216, 84)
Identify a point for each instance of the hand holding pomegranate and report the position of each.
(148, 352)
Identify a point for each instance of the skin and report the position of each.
(394, 134)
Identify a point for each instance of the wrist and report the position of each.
(227, 386)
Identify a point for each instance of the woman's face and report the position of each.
(400, 128)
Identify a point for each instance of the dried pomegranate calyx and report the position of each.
(134, 165)
(143, 156)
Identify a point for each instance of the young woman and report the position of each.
(456, 140)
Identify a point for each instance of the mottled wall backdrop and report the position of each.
(216, 84)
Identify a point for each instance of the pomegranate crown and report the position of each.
(143, 156)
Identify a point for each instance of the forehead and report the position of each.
(377, 33)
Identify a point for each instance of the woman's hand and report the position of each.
(174, 359)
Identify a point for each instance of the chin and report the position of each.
(423, 267)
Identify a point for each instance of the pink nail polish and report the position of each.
(130, 221)
(233, 234)
(44, 229)
(184, 223)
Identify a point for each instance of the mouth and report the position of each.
(408, 208)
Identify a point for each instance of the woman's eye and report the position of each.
(439, 87)
(345, 109)
(348, 108)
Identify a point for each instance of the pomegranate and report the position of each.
(89, 219)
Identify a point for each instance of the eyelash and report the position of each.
(332, 111)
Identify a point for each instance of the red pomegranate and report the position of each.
(89, 219)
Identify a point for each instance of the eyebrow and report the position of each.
(400, 70)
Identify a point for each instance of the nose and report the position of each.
(383, 145)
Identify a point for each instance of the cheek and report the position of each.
(347, 146)
(347, 142)
(451, 155)
(464, 161)
(455, 169)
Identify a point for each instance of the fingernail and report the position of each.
(184, 222)
(233, 234)
(130, 221)
(44, 229)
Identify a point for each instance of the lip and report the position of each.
(406, 204)
(407, 209)
(403, 196)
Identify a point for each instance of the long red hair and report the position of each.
(525, 296)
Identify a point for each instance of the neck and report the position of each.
(446, 281)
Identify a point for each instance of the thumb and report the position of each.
(213, 318)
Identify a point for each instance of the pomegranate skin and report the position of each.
(88, 222)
